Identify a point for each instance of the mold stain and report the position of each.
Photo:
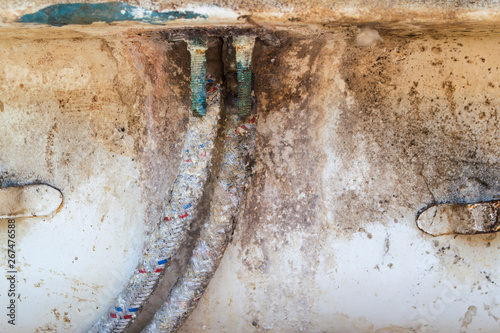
(397, 144)
(49, 153)
(415, 136)
(468, 317)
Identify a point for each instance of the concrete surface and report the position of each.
(360, 127)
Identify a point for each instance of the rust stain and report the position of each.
(416, 134)
(66, 318)
(165, 70)
(56, 314)
(46, 328)
(285, 77)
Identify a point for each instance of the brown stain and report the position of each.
(46, 328)
(49, 153)
(282, 151)
(165, 69)
(61, 205)
(436, 49)
(450, 89)
(285, 163)
(393, 329)
(128, 89)
(285, 193)
(417, 135)
(128, 95)
(395, 118)
(105, 110)
(66, 318)
(56, 313)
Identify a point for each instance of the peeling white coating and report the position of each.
(214, 12)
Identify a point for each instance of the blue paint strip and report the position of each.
(162, 262)
(119, 309)
(87, 13)
(133, 309)
(187, 206)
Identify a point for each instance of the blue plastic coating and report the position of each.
(197, 48)
(244, 90)
(87, 13)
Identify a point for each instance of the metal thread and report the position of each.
(244, 47)
(197, 48)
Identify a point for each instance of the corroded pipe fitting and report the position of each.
(197, 47)
(244, 47)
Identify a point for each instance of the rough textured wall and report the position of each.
(357, 132)
(352, 142)
(103, 121)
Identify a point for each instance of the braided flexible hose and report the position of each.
(216, 233)
(164, 242)
(239, 144)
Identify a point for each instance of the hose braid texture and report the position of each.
(171, 232)
(216, 233)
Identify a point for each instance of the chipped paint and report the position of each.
(86, 13)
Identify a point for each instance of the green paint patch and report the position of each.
(87, 13)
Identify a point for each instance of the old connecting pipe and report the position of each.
(186, 194)
(244, 47)
(227, 197)
(197, 48)
(179, 212)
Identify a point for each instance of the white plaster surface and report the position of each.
(351, 142)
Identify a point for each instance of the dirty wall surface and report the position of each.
(358, 130)
(352, 142)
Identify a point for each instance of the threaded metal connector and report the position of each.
(244, 47)
(197, 48)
